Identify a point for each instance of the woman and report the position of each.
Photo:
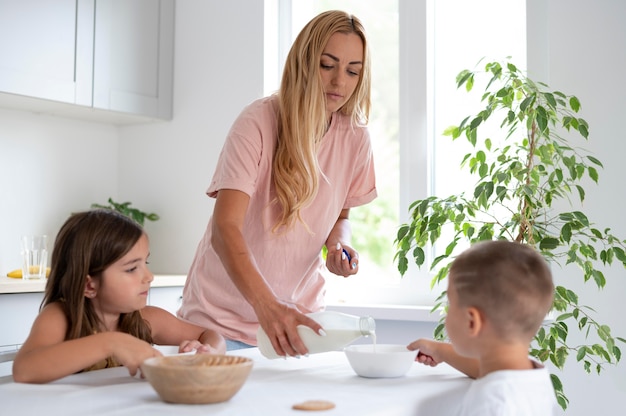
(292, 166)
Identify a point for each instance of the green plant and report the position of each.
(125, 209)
(520, 178)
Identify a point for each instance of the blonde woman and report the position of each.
(292, 166)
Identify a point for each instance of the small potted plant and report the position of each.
(519, 177)
(126, 209)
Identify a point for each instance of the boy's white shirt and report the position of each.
(511, 393)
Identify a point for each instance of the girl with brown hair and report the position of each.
(94, 312)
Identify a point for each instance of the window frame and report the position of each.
(416, 137)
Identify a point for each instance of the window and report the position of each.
(418, 48)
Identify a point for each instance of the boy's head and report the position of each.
(507, 285)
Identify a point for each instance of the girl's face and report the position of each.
(123, 286)
(340, 67)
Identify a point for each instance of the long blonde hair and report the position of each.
(302, 119)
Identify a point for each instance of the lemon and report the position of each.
(17, 273)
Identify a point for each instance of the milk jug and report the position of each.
(341, 329)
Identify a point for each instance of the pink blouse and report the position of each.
(291, 261)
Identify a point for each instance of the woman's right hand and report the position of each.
(280, 320)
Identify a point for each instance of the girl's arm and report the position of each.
(47, 356)
(167, 329)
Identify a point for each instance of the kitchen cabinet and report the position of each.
(46, 49)
(111, 55)
(17, 314)
(133, 56)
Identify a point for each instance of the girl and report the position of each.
(94, 312)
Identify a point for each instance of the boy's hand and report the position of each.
(429, 351)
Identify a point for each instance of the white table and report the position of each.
(271, 389)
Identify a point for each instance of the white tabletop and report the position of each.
(271, 389)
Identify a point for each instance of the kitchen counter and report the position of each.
(11, 285)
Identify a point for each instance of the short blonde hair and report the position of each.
(509, 282)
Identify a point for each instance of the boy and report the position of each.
(499, 292)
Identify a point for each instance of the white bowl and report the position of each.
(381, 360)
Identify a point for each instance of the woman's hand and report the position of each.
(280, 320)
(342, 260)
(200, 348)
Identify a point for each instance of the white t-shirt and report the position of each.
(290, 262)
(511, 393)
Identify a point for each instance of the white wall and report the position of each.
(580, 48)
(166, 166)
(49, 167)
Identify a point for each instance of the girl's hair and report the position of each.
(87, 244)
(509, 282)
(302, 119)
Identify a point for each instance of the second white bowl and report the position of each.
(381, 360)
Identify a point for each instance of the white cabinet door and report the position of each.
(111, 54)
(133, 56)
(18, 312)
(46, 49)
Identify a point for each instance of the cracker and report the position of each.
(314, 405)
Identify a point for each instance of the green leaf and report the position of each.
(582, 218)
(566, 232)
(620, 254)
(462, 77)
(542, 118)
(452, 131)
(583, 131)
(549, 243)
(594, 161)
(403, 265)
(419, 256)
(564, 316)
(476, 122)
(581, 193)
(599, 278)
(526, 103)
(439, 332)
(402, 232)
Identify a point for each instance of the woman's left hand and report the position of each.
(189, 346)
(342, 261)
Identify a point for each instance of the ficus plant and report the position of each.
(125, 208)
(522, 179)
